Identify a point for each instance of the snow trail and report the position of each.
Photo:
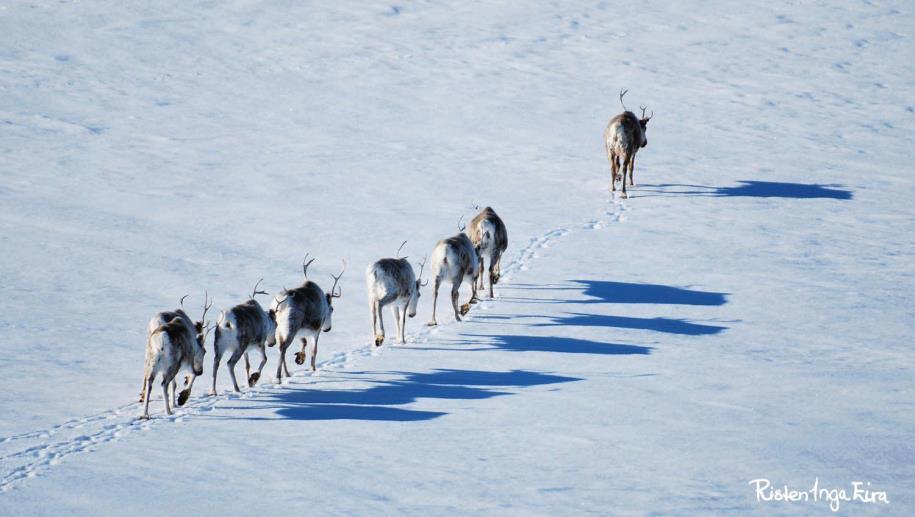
(86, 434)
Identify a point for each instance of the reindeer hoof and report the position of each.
(465, 309)
(183, 396)
(299, 358)
(252, 380)
(379, 340)
(431, 324)
(473, 300)
(143, 417)
(142, 397)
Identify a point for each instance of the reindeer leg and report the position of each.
(217, 357)
(165, 383)
(373, 307)
(301, 355)
(233, 360)
(247, 366)
(625, 164)
(395, 311)
(480, 276)
(473, 292)
(186, 392)
(492, 274)
(403, 324)
(174, 387)
(438, 282)
(631, 169)
(314, 354)
(283, 343)
(614, 169)
(143, 389)
(252, 379)
(455, 293)
(377, 310)
(147, 384)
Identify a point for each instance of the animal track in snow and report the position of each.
(36, 451)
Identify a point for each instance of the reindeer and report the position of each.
(391, 281)
(174, 342)
(455, 259)
(488, 234)
(307, 310)
(237, 331)
(624, 136)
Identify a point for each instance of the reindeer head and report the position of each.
(643, 123)
(414, 296)
(272, 313)
(201, 328)
(333, 293)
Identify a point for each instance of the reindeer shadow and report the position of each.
(602, 291)
(764, 189)
(667, 325)
(553, 344)
(378, 402)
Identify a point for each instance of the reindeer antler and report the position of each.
(336, 278)
(280, 302)
(306, 264)
(207, 330)
(623, 92)
(402, 244)
(206, 305)
(255, 292)
(643, 108)
(461, 227)
(181, 302)
(421, 266)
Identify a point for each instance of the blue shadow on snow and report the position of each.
(624, 292)
(374, 403)
(564, 345)
(668, 325)
(765, 189)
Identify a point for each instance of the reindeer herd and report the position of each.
(175, 343)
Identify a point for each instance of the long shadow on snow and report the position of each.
(624, 292)
(761, 189)
(668, 325)
(565, 345)
(374, 403)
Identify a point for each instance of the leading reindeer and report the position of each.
(624, 136)
(306, 310)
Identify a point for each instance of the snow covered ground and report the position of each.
(746, 314)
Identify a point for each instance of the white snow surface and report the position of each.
(747, 313)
